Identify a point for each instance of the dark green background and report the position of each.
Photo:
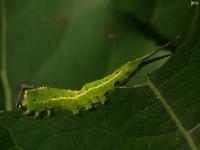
(67, 43)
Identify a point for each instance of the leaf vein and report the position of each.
(194, 128)
(174, 117)
(12, 136)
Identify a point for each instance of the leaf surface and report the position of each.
(77, 42)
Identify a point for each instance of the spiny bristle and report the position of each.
(39, 88)
(42, 87)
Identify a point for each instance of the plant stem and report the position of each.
(4, 76)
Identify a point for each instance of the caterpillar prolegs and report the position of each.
(40, 99)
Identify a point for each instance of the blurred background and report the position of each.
(67, 43)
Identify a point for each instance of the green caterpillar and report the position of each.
(39, 99)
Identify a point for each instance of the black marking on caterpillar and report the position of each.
(117, 83)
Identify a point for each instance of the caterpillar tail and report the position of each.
(146, 57)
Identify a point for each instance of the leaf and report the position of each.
(134, 123)
(134, 118)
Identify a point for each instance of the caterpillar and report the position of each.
(39, 99)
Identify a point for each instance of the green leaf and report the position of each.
(134, 118)
(68, 43)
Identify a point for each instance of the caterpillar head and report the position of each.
(21, 102)
(27, 100)
(30, 97)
